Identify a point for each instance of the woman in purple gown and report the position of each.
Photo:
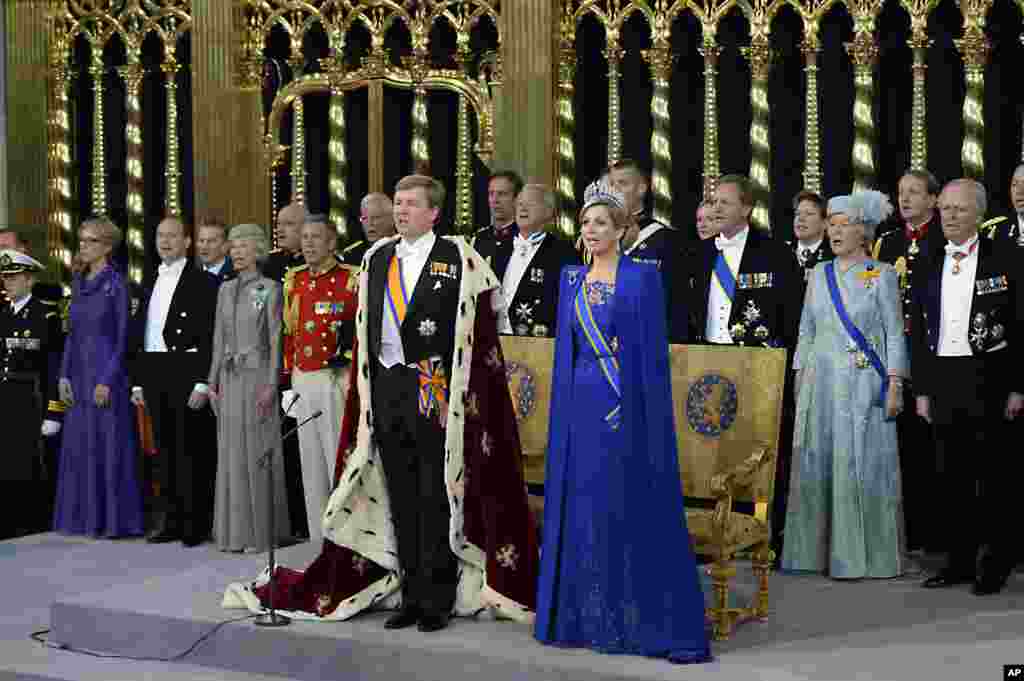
(98, 491)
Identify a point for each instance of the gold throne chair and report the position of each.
(728, 408)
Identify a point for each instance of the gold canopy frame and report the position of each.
(378, 17)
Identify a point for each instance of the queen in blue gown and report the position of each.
(98, 491)
(617, 571)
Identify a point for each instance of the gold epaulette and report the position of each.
(56, 407)
(991, 225)
(353, 246)
(353, 276)
(47, 301)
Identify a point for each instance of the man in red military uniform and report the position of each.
(319, 315)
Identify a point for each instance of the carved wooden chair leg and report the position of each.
(722, 571)
(762, 560)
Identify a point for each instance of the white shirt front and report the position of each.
(523, 250)
(18, 305)
(804, 251)
(215, 269)
(957, 295)
(160, 304)
(719, 305)
(412, 258)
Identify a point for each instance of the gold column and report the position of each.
(298, 150)
(132, 74)
(975, 48)
(710, 50)
(172, 199)
(464, 151)
(566, 147)
(661, 61)
(99, 143)
(863, 52)
(375, 145)
(227, 105)
(59, 234)
(336, 148)
(812, 139)
(613, 53)
(919, 44)
(28, 96)
(420, 129)
(759, 54)
(525, 126)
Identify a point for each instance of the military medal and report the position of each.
(914, 248)
(428, 328)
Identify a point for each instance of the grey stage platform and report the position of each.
(134, 599)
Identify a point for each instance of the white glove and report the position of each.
(50, 428)
(287, 398)
(137, 396)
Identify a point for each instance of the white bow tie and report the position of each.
(722, 243)
(953, 249)
(404, 250)
(531, 240)
(164, 268)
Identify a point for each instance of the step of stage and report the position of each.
(133, 599)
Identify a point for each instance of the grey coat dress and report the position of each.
(844, 516)
(246, 359)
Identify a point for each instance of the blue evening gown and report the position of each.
(618, 573)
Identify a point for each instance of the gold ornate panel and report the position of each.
(726, 402)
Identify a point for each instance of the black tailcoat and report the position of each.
(663, 246)
(534, 308)
(185, 438)
(767, 293)
(976, 457)
(411, 443)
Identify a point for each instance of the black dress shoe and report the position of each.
(189, 542)
(433, 622)
(406, 617)
(946, 579)
(986, 586)
(163, 537)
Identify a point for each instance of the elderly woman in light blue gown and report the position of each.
(844, 517)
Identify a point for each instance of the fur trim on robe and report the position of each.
(491, 530)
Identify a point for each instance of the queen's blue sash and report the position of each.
(725, 277)
(855, 334)
(602, 349)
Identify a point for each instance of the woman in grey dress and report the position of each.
(243, 382)
(844, 516)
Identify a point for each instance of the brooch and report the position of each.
(525, 312)
(259, 297)
(428, 328)
(751, 312)
(869, 276)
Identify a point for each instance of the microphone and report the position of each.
(262, 461)
(292, 404)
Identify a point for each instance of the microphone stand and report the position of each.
(272, 618)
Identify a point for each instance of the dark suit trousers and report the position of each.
(186, 442)
(917, 474)
(412, 452)
(976, 463)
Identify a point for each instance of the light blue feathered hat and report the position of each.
(869, 207)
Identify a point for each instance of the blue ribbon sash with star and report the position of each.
(725, 277)
(854, 332)
(602, 349)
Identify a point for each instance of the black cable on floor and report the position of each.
(40, 637)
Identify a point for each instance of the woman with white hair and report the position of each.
(844, 515)
(243, 383)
